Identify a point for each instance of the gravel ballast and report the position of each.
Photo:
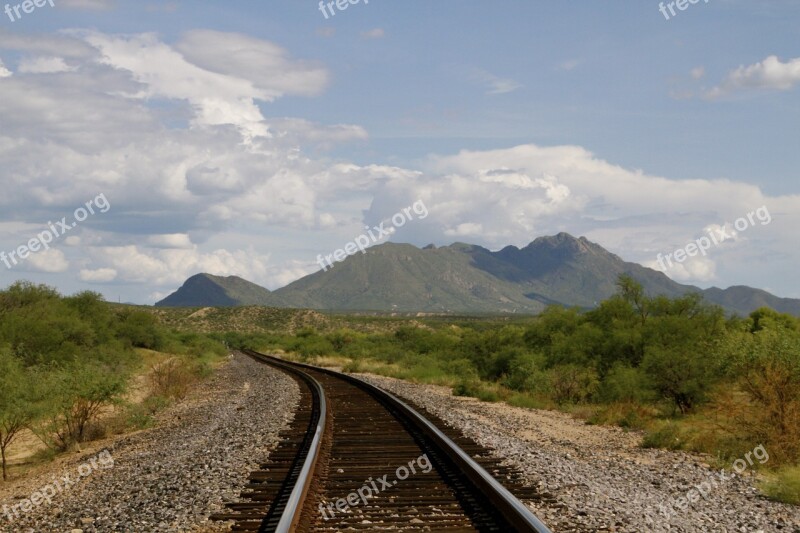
(172, 477)
(597, 478)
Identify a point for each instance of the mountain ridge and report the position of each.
(465, 278)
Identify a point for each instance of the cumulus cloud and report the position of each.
(174, 240)
(51, 261)
(692, 270)
(770, 73)
(100, 275)
(173, 266)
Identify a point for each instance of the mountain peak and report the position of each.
(204, 290)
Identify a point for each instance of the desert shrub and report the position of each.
(767, 364)
(573, 384)
(172, 378)
(476, 389)
(663, 435)
(75, 396)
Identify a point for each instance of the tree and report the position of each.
(633, 293)
(17, 408)
(766, 318)
(679, 374)
(768, 366)
(76, 395)
(679, 356)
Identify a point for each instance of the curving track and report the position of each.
(357, 458)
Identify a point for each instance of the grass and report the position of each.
(783, 485)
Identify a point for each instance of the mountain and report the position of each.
(464, 278)
(743, 300)
(205, 290)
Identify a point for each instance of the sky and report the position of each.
(249, 138)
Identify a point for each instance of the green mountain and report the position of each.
(205, 290)
(464, 278)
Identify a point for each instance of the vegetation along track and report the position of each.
(358, 458)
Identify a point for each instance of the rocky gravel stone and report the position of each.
(596, 478)
(172, 477)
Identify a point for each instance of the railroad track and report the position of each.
(357, 458)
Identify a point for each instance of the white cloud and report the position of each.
(173, 266)
(465, 229)
(301, 131)
(770, 73)
(4, 72)
(266, 65)
(51, 260)
(692, 270)
(44, 65)
(47, 44)
(101, 275)
(220, 74)
(174, 240)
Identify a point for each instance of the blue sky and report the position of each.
(248, 137)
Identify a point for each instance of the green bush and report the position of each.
(141, 330)
(626, 384)
(74, 396)
(476, 389)
(664, 435)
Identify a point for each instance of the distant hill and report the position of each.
(205, 290)
(743, 300)
(464, 278)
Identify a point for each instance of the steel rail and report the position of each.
(294, 504)
(513, 510)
